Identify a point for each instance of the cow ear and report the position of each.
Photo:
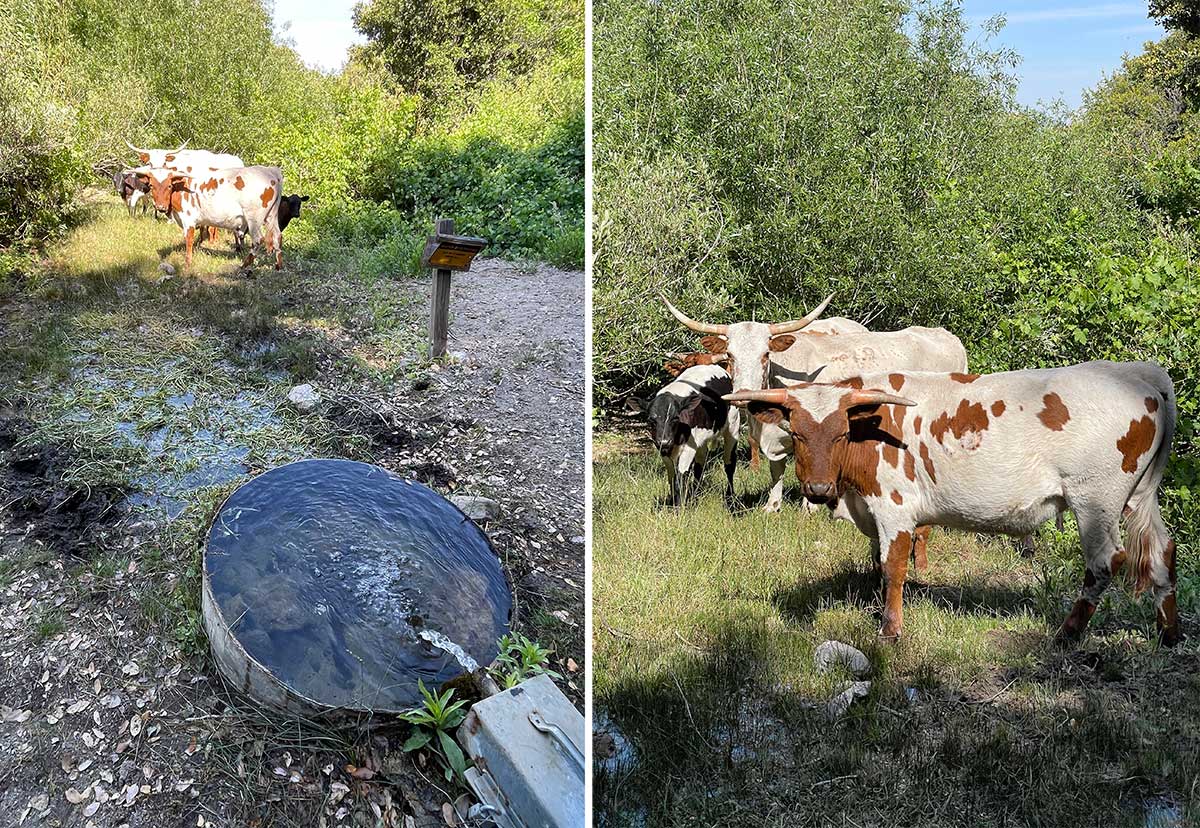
(714, 344)
(766, 413)
(863, 412)
(674, 367)
(304, 198)
(691, 415)
(782, 342)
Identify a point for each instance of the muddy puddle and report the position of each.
(186, 440)
(349, 583)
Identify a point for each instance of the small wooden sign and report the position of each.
(449, 252)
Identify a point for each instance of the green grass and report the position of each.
(705, 628)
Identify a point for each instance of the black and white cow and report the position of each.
(686, 418)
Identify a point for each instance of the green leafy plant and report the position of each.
(432, 722)
(520, 659)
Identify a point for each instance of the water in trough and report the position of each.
(349, 583)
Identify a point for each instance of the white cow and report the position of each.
(686, 419)
(184, 160)
(763, 355)
(999, 453)
(241, 199)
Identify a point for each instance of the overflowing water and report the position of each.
(349, 583)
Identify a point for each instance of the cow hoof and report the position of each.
(888, 636)
(1170, 636)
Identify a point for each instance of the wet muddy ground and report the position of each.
(130, 405)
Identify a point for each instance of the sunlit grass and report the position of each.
(705, 625)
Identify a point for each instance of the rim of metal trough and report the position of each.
(250, 677)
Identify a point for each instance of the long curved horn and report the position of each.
(871, 397)
(778, 396)
(138, 150)
(803, 322)
(698, 327)
(181, 146)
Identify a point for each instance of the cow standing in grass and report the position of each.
(242, 198)
(686, 419)
(763, 355)
(1000, 453)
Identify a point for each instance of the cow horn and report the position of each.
(803, 322)
(698, 327)
(136, 149)
(778, 396)
(872, 397)
(181, 146)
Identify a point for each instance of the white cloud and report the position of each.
(322, 38)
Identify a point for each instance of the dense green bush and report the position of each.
(753, 156)
(82, 76)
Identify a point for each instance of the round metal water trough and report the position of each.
(335, 585)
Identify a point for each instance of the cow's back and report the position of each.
(835, 358)
(228, 197)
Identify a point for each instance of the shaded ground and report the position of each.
(131, 403)
(713, 713)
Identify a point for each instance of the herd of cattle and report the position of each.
(891, 431)
(209, 191)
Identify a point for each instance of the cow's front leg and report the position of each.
(188, 240)
(775, 498)
(730, 467)
(895, 545)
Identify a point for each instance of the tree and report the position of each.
(439, 49)
(1180, 15)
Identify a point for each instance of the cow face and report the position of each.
(747, 348)
(289, 208)
(671, 419)
(834, 431)
(163, 185)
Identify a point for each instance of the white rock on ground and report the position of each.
(477, 508)
(831, 653)
(304, 397)
(167, 268)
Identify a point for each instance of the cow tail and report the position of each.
(1146, 536)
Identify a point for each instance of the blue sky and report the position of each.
(321, 30)
(1066, 46)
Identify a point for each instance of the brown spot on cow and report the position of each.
(144, 157)
(170, 157)
(1151, 404)
(964, 378)
(891, 454)
(1054, 415)
(851, 382)
(209, 186)
(897, 381)
(897, 498)
(927, 462)
(1136, 442)
(917, 424)
(997, 408)
(267, 195)
(895, 568)
(910, 466)
(189, 169)
(968, 418)
(237, 182)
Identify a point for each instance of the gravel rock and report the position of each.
(832, 653)
(167, 268)
(477, 508)
(304, 397)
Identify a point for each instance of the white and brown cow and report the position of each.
(999, 453)
(764, 355)
(185, 160)
(687, 417)
(241, 198)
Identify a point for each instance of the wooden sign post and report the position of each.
(445, 253)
